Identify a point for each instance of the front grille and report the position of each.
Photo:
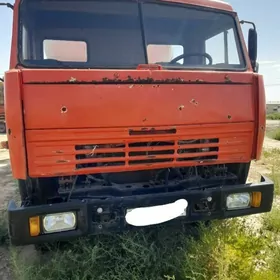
(108, 150)
(151, 152)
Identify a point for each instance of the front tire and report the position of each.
(2, 127)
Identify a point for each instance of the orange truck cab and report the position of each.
(127, 114)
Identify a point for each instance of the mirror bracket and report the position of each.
(248, 22)
(9, 5)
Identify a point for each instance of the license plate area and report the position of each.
(145, 216)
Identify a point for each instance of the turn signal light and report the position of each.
(34, 226)
(256, 199)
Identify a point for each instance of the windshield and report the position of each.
(124, 34)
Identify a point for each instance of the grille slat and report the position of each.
(146, 153)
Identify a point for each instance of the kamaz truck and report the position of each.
(128, 114)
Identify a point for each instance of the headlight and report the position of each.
(59, 222)
(238, 201)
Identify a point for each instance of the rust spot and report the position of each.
(227, 79)
(229, 117)
(151, 131)
(9, 131)
(194, 102)
(181, 107)
(139, 80)
(116, 75)
(62, 161)
(72, 80)
(131, 80)
(144, 120)
(63, 110)
(262, 127)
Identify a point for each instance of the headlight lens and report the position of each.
(238, 201)
(59, 222)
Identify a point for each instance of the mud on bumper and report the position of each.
(112, 218)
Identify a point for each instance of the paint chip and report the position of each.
(194, 102)
(72, 80)
(227, 79)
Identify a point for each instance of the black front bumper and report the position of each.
(204, 204)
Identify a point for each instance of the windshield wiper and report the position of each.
(47, 62)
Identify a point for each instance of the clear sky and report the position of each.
(265, 13)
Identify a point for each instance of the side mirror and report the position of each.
(253, 47)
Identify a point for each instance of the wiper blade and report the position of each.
(48, 62)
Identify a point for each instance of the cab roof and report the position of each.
(215, 4)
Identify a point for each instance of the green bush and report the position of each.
(273, 116)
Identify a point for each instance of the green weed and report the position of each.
(272, 220)
(224, 251)
(274, 134)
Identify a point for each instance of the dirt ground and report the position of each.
(8, 184)
(8, 188)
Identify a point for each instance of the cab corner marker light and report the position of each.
(34, 226)
(256, 199)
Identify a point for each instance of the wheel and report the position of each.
(22, 189)
(38, 191)
(2, 127)
(241, 170)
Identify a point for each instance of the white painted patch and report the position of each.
(153, 215)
